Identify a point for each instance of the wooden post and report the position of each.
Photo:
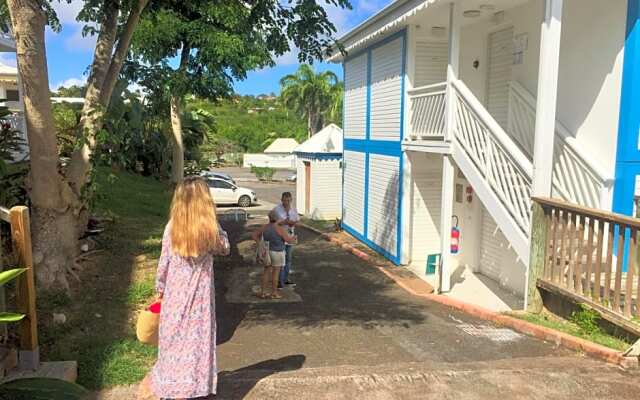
(3, 303)
(26, 296)
(537, 257)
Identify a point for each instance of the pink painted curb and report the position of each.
(574, 343)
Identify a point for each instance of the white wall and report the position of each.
(354, 190)
(591, 58)
(300, 186)
(590, 75)
(525, 19)
(384, 202)
(498, 260)
(355, 97)
(469, 215)
(326, 189)
(425, 205)
(431, 62)
(386, 93)
(269, 160)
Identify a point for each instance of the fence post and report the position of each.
(539, 244)
(26, 293)
(3, 303)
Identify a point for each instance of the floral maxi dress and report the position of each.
(186, 365)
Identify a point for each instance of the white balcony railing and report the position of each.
(503, 166)
(576, 177)
(428, 111)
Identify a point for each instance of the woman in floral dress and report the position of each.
(186, 365)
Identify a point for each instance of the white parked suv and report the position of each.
(225, 192)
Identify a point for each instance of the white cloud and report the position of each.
(343, 19)
(70, 82)
(67, 12)
(72, 29)
(288, 58)
(77, 42)
(8, 59)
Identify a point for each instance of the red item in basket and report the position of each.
(155, 307)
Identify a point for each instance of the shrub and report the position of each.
(263, 173)
(587, 319)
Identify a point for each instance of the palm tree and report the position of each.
(314, 96)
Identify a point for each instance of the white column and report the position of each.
(407, 209)
(407, 178)
(547, 98)
(448, 171)
(409, 78)
(452, 68)
(446, 213)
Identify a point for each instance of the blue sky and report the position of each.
(69, 53)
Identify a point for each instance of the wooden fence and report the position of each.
(18, 218)
(589, 255)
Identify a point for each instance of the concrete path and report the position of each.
(346, 331)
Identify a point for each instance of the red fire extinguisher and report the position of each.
(455, 237)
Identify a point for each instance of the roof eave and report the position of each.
(337, 57)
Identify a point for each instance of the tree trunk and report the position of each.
(52, 200)
(120, 54)
(314, 122)
(309, 125)
(106, 70)
(91, 111)
(177, 167)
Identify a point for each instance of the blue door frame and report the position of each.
(388, 148)
(628, 153)
(628, 146)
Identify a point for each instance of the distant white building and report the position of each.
(278, 154)
(70, 100)
(319, 174)
(11, 92)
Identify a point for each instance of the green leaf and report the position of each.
(41, 389)
(10, 317)
(6, 276)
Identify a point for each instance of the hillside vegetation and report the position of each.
(250, 124)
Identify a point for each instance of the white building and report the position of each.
(278, 154)
(467, 109)
(11, 93)
(319, 174)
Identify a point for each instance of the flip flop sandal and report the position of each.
(276, 296)
(261, 295)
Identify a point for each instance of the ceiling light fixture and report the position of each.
(438, 31)
(472, 13)
(487, 7)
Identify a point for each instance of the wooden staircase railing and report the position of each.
(588, 255)
(18, 218)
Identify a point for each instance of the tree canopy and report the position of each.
(317, 97)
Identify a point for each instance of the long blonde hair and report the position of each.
(194, 225)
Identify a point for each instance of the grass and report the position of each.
(581, 325)
(101, 308)
(321, 225)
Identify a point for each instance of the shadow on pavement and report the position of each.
(335, 288)
(238, 383)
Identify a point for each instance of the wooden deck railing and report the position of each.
(588, 254)
(18, 218)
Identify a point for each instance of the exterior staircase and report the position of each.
(498, 163)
